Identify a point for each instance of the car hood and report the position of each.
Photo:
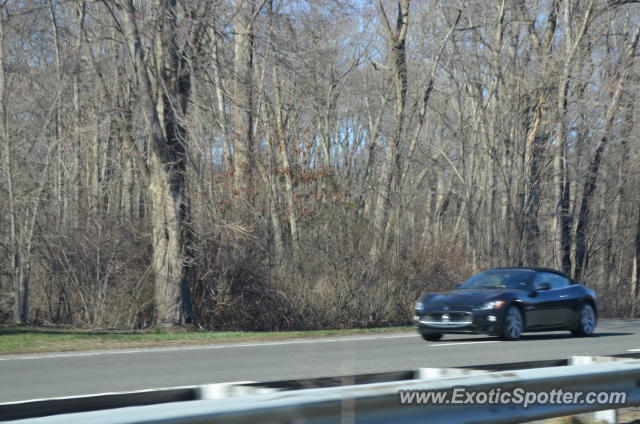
(461, 298)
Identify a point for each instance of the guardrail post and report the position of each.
(608, 416)
(437, 373)
(226, 390)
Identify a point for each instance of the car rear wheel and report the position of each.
(513, 324)
(432, 337)
(587, 323)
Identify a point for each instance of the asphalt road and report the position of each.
(65, 374)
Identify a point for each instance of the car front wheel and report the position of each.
(513, 324)
(587, 323)
(432, 337)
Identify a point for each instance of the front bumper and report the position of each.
(457, 321)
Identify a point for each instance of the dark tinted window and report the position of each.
(500, 279)
(556, 281)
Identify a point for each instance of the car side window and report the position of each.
(556, 281)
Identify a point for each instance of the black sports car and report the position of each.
(507, 302)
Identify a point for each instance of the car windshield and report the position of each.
(499, 279)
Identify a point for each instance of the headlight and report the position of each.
(494, 304)
(419, 306)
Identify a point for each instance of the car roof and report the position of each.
(530, 268)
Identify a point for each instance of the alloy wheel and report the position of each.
(513, 323)
(587, 320)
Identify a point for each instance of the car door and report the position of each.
(561, 288)
(548, 307)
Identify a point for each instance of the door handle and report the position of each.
(563, 296)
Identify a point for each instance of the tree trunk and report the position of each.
(19, 273)
(564, 217)
(283, 148)
(167, 164)
(535, 148)
(242, 107)
(391, 166)
(221, 105)
(594, 165)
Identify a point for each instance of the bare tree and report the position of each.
(285, 164)
(165, 88)
(396, 38)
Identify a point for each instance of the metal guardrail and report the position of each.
(46, 407)
(34, 408)
(379, 402)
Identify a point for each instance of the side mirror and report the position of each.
(457, 286)
(543, 287)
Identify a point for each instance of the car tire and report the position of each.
(587, 322)
(432, 337)
(512, 323)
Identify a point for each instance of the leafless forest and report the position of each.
(305, 164)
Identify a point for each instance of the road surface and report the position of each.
(25, 377)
